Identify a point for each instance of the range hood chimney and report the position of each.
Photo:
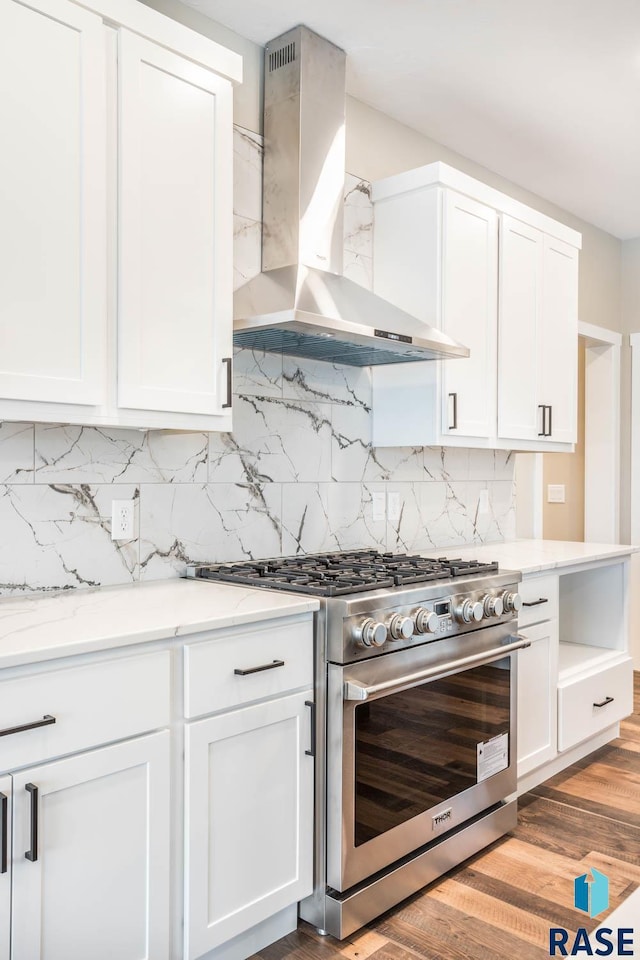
(300, 304)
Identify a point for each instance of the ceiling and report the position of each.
(544, 92)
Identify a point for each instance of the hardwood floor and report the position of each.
(500, 904)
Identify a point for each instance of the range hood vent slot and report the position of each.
(282, 57)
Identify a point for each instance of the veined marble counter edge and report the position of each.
(536, 556)
(37, 628)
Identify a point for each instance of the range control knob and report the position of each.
(400, 628)
(427, 621)
(512, 602)
(469, 610)
(493, 606)
(370, 633)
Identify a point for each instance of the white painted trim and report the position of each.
(442, 174)
(635, 436)
(602, 442)
(529, 496)
(168, 33)
(592, 332)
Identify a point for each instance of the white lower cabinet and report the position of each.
(91, 856)
(537, 714)
(249, 818)
(5, 867)
(591, 703)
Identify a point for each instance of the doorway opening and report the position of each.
(591, 475)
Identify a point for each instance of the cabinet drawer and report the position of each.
(274, 658)
(92, 705)
(578, 715)
(539, 600)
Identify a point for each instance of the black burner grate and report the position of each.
(339, 574)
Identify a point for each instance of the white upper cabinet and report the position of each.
(53, 240)
(558, 352)
(521, 265)
(500, 278)
(469, 264)
(538, 318)
(175, 268)
(116, 219)
(436, 255)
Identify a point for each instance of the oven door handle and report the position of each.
(359, 691)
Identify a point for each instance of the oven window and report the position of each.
(417, 748)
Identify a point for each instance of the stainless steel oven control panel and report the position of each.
(383, 629)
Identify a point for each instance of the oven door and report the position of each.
(419, 741)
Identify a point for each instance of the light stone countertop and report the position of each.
(34, 627)
(534, 556)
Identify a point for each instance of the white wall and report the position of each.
(378, 146)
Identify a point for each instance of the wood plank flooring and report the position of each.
(500, 904)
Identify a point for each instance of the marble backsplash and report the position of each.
(298, 474)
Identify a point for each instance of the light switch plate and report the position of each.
(378, 505)
(483, 501)
(393, 508)
(555, 493)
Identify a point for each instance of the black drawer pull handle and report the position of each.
(535, 603)
(312, 707)
(454, 425)
(32, 854)
(228, 361)
(603, 703)
(265, 666)
(4, 805)
(46, 721)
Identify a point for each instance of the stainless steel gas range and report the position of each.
(416, 664)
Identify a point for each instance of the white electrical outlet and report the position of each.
(122, 519)
(483, 501)
(393, 508)
(378, 505)
(555, 493)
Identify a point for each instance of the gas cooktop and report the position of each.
(339, 574)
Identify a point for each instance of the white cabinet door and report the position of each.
(175, 231)
(249, 819)
(97, 883)
(5, 867)
(520, 306)
(52, 202)
(469, 315)
(537, 701)
(558, 341)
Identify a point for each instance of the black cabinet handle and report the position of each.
(603, 703)
(32, 854)
(312, 708)
(46, 721)
(264, 666)
(535, 603)
(454, 425)
(4, 832)
(549, 432)
(229, 362)
(543, 433)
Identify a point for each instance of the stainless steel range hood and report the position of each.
(301, 304)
